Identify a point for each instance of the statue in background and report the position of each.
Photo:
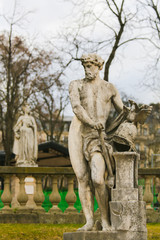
(25, 141)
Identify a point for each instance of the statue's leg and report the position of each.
(81, 170)
(98, 177)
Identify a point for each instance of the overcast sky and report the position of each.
(50, 15)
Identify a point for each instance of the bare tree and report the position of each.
(150, 21)
(24, 69)
(101, 26)
(49, 106)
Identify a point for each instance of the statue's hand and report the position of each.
(98, 126)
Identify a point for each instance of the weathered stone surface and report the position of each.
(126, 206)
(13, 216)
(128, 215)
(126, 169)
(124, 194)
(114, 235)
(17, 216)
(152, 216)
(40, 170)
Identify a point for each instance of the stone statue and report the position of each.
(104, 158)
(25, 142)
(91, 100)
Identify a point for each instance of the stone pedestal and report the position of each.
(126, 206)
(127, 209)
(26, 164)
(99, 235)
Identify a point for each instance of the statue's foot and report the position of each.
(106, 227)
(86, 227)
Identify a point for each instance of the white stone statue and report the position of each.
(91, 100)
(25, 142)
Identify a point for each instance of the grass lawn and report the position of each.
(53, 232)
(153, 231)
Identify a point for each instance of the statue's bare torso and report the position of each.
(95, 99)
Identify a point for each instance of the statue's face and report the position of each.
(91, 71)
(27, 109)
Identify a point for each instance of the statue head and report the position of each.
(26, 108)
(92, 64)
(92, 58)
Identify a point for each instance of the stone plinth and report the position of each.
(128, 215)
(127, 209)
(125, 194)
(99, 235)
(126, 170)
(26, 164)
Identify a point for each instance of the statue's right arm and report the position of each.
(18, 125)
(78, 110)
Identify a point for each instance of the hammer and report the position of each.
(107, 158)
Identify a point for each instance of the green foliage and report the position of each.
(47, 204)
(53, 231)
(63, 205)
(1, 203)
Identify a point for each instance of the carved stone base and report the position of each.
(99, 235)
(128, 215)
(22, 164)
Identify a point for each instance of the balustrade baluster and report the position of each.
(55, 196)
(71, 196)
(38, 195)
(22, 196)
(148, 196)
(157, 183)
(6, 195)
(14, 191)
(30, 189)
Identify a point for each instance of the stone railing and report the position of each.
(152, 179)
(14, 194)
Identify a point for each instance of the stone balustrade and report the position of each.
(14, 177)
(22, 201)
(152, 178)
